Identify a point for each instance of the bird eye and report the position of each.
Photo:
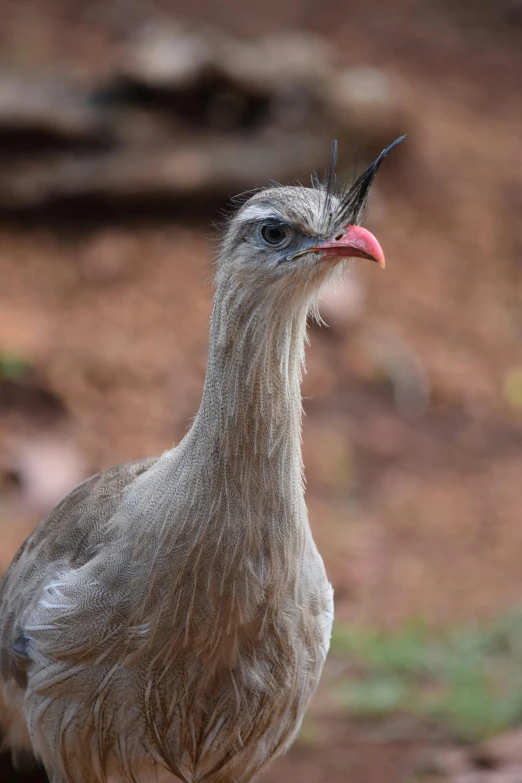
(273, 235)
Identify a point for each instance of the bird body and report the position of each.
(171, 616)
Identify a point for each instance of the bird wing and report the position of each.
(68, 538)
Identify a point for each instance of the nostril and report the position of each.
(338, 237)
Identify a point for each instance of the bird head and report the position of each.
(295, 237)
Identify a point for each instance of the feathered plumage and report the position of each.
(171, 617)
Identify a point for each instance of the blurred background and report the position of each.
(125, 127)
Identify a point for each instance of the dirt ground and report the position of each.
(417, 515)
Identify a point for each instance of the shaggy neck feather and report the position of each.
(232, 523)
(250, 413)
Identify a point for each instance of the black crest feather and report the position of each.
(353, 200)
(330, 184)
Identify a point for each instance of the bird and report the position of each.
(170, 618)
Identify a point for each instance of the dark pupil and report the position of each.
(273, 234)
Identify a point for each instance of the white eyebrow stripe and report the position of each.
(257, 212)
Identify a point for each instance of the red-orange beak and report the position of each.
(353, 242)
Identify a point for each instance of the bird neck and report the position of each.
(249, 421)
(231, 527)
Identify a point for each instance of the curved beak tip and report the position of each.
(354, 242)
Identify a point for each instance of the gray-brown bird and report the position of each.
(171, 617)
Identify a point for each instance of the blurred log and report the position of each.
(46, 109)
(189, 111)
(218, 166)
